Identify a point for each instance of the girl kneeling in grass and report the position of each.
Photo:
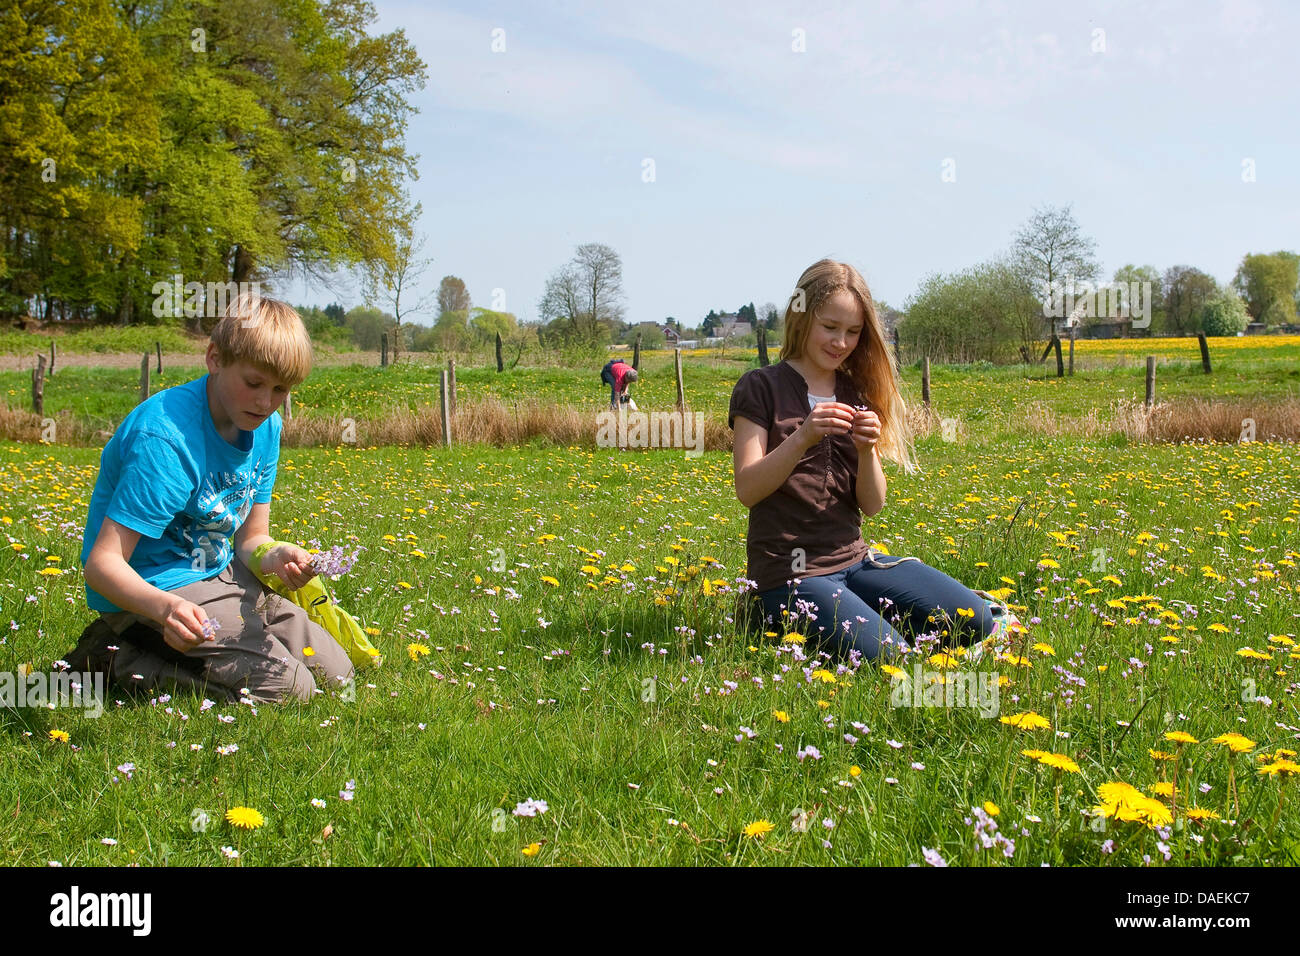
(810, 432)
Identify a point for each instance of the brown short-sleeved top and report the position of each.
(816, 509)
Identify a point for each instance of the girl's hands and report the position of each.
(291, 563)
(866, 430)
(827, 418)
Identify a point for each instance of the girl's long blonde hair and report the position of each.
(869, 365)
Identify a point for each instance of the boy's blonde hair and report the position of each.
(264, 332)
(869, 365)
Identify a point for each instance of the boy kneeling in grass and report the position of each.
(181, 503)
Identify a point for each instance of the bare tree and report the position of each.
(586, 292)
(1051, 250)
(396, 284)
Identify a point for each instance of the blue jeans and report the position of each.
(608, 378)
(848, 605)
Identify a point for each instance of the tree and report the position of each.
(768, 316)
(285, 116)
(1224, 314)
(1051, 251)
(487, 324)
(581, 303)
(452, 295)
(368, 326)
(1185, 291)
(451, 331)
(336, 313)
(746, 313)
(983, 313)
(396, 282)
(1269, 283)
(1149, 284)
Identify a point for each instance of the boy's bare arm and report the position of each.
(291, 563)
(109, 573)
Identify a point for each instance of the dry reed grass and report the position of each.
(501, 424)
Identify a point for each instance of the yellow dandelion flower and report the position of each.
(1285, 768)
(245, 818)
(1048, 563)
(781, 716)
(1059, 762)
(416, 651)
(759, 828)
(1200, 813)
(1027, 720)
(1180, 737)
(855, 771)
(1163, 789)
(1045, 649)
(50, 572)
(1160, 755)
(895, 673)
(794, 637)
(60, 735)
(308, 652)
(547, 579)
(991, 808)
(373, 631)
(532, 849)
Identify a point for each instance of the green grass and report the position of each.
(100, 339)
(993, 397)
(507, 718)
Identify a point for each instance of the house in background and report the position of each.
(730, 325)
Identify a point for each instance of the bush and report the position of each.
(1225, 314)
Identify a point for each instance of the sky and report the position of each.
(722, 148)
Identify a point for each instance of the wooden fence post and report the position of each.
(51, 369)
(1060, 363)
(158, 346)
(1205, 352)
(451, 383)
(38, 385)
(636, 353)
(681, 390)
(501, 365)
(383, 350)
(144, 376)
(925, 382)
(446, 412)
(287, 412)
(762, 346)
(1151, 380)
(1072, 330)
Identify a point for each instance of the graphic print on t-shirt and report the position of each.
(222, 503)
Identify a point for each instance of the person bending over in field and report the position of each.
(618, 375)
(181, 502)
(809, 435)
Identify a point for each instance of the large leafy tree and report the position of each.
(1186, 290)
(1268, 285)
(224, 140)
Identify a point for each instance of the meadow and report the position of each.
(566, 680)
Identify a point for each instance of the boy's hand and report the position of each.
(866, 430)
(183, 625)
(291, 563)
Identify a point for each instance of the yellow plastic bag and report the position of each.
(320, 607)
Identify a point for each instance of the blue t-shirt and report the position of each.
(167, 474)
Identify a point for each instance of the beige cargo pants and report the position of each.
(265, 643)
